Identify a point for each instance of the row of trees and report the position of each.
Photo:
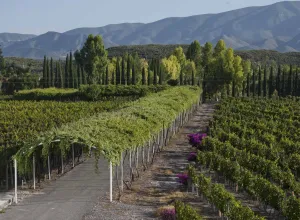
(217, 69)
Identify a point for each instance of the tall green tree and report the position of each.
(265, 83)
(94, 58)
(71, 74)
(194, 53)
(60, 76)
(290, 82)
(45, 80)
(52, 77)
(278, 80)
(296, 83)
(128, 70)
(271, 82)
(155, 73)
(66, 74)
(143, 76)
(149, 77)
(248, 85)
(79, 76)
(283, 87)
(118, 72)
(48, 74)
(123, 79)
(161, 76)
(253, 84)
(133, 80)
(106, 77)
(181, 78)
(193, 78)
(56, 75)
(259, 93)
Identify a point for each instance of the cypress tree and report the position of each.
(71, 76)
(106, 76)
(253, 84)
(48, 74)
(79, 76)
(118, 76)
(233, 88)
(128, 70)
(278, 79)
(123, 80)
(56, 75)
(143, 76)
(248, 84)
(45, 79)
(290, 82)
(149, 78)
(265, 82)
(271, 82)
(133, 82)
(181, 78)
(60, 76)
(66, 77)
(161, 77)
(51, 78)
(113, 77)
(283, 86)
(259, 82)
(155, 74)
(193, 78)
(296, 83)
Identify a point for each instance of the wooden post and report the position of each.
(110, 182)
(62, 163)
(73, 155)
(122, 177)
(16, 182)
(49, 168)
(33, 170)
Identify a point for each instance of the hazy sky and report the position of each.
(40, 16)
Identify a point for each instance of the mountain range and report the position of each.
(271, 27)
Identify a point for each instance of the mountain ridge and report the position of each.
(271, 27)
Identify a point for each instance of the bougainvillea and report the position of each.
(192, 156)
(183, 178)
(168, 214)
(196, 139)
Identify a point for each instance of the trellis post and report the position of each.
(62, 162)
(33, 170)
(110, 181)
(49, 168)
(16, 181)
(73, 155)
(122, 177)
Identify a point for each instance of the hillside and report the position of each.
(272, 27)
(7, 39)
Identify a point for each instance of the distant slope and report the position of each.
(272, 27)
(7, 39)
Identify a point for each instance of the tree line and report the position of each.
(216, 68)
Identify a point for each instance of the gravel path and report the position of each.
(158, 185)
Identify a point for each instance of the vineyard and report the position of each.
(50, 130)
(252, 149)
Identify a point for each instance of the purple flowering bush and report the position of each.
(167, 212)
(183, 178)
(192, 156)
(196, 139)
